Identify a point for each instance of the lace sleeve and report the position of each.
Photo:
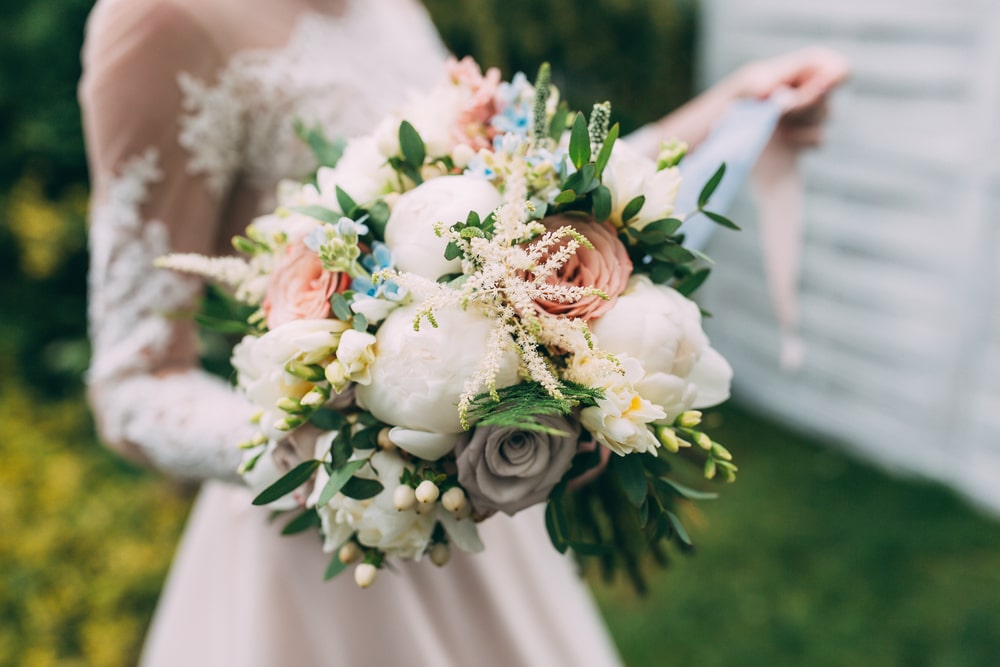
(150, 400)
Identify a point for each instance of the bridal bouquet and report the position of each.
(479, 307)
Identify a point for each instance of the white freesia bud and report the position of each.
(336, 375)
(288, 404)
(349, 553)
(316, 397)
(404, 497)
(690, 419)
(427, 492)
(454, 499)
(364, 575)
(704, 441)
(440, 553)
(668, 438)
(288, 423)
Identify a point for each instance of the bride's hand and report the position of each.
(810, 75)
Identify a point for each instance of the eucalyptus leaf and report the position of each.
(711, 185)
(292, 480)
(632, 477)
(721, 220)
(320, 213)
(340, 308)
(686, 491)
(338, 478)
(633, 207)
(221, 325)
(335, 567)
(565, 197)
(605, 153)
(301, 523)
(688, 286)
(411, 144)
(579, 142)
(679, 529)
(361, 489)
(601, 198)
(326, 419)
(452, 251)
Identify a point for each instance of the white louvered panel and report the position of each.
(900, 280)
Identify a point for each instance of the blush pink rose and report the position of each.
(472, 124)
(300, 288)
(607, 267)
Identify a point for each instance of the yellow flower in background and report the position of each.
(46, 231)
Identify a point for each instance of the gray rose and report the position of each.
(508, 469)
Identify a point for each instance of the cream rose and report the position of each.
(410, 231)
(662, 329)
(606, 267)
(418, 377)
(630, 174)
(300, 288)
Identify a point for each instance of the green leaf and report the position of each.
(558, 123)
(632, 208)
(301, 523)
(582, 181)
(292, 480)
(721, 220)
(679, 529)
(362, 489)
(632, 476)
(451, 251)
(341, 449)
(711, 185)
(658, 231)
(360, 322)
(579, 142)
(656, 465)
(326, 419)
(335, 567)
(644, 513)
(411, 144)
(605, 153)
(412, 173)
(378, 216)
(565, 197)
(588, 549)
(688, 286)
(671, 252)
(326, 152)
(686, 491)
(552, 524)
(347, 205)
(321, 213)
(660, 272)
(366, 438)
(341, 310)
(338, 478)
(221, 325)
(601, 198)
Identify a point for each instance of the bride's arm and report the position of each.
(150, 399)
(810, 74)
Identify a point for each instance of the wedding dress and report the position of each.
(188, 108)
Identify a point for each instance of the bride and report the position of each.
(188, 109)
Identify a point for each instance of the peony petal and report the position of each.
(712, 376)
(428, 446)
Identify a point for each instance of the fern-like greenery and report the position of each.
(520, 405)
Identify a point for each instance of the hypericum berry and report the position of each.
(404, 497)
(364, 575)
(427, 491)
(440, 553)
(349, 553)
(384, 442)
(454, 499)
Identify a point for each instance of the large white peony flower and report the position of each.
(410, 234)
(630, 174)
(362, 173)
(662, 329)
(260, 364)
(418, 377)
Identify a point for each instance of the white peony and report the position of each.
(410, 234)
(418, 377)
(662, 329)
(362, 172)
(630, 174)
(260, 364)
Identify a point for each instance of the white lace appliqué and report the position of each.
(187, 423)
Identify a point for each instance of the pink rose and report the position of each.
(300, 288)
(606, 267)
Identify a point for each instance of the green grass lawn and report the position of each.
(811, 558)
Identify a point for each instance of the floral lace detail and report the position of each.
(243, 122)
(187, 423)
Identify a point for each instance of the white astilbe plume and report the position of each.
(505, 275)
(232, 272)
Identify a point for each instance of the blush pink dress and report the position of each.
(188, 108)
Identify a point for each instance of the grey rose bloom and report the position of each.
(508, 469)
